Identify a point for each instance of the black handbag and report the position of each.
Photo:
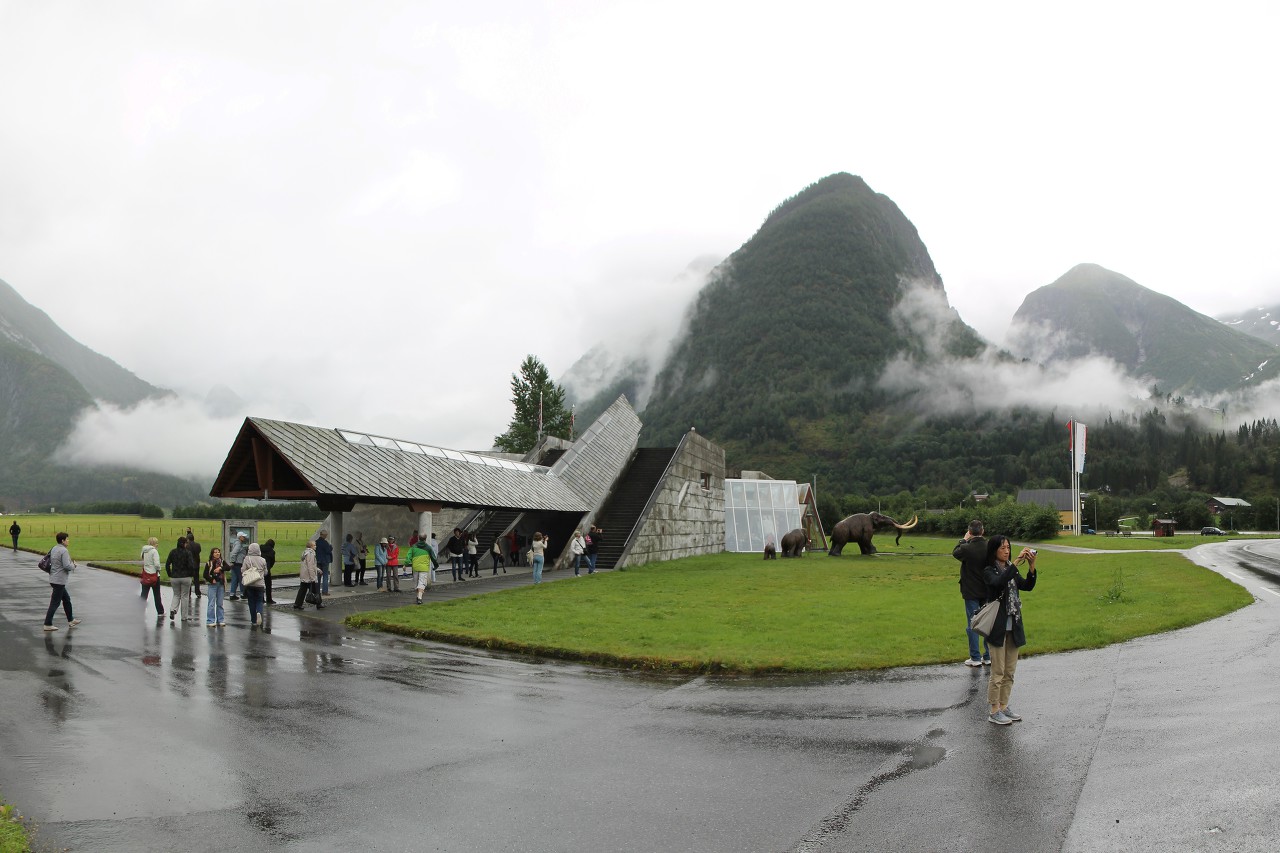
(313, 598)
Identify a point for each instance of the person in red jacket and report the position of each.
(393, 565)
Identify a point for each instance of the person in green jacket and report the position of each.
(423, 559)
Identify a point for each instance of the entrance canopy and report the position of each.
(338, 468)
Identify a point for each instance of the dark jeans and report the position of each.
(60, 596)
(591, 563)
(972, 606)
(348, 569)
(267, 580)
(15, 543)
(148, 590)
(497, 560)
(455, 567)
(256, 595)
(364, 566)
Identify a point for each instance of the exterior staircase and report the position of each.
(621, 512)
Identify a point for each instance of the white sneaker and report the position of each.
(999, 719)
(972, 662)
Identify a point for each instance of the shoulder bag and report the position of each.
(985, 619)
(251, 576)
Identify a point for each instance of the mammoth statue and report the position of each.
(860, 527)
(770, 552)
(794, 543)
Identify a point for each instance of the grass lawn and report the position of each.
(13, 835)
(115, 541)
(738, 613)
(1147, 542)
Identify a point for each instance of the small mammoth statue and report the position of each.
(770, 552)
(794, 543)
(860, 527)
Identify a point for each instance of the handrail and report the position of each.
(644, 513)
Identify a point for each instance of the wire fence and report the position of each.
(161, 529)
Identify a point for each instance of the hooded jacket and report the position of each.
(308, 570)
(150, 559)
(255, 559)
(180, 563)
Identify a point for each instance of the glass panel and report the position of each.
(784, 524)
(768, 531)
(409, 447)
(766, 496)
(757, 537)
(742, 536)
(737, 495)
(783, 494)
(384, 442)
(753, 499)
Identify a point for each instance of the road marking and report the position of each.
(1238, 577)
(1272, 591)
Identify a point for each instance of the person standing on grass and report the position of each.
(538, 548)
(349, 554)
(256, 592)
(194, 547)
(972, 554)
(60, 568)
(214, 575)
(181, 567)
(308, 578)
(423, 559)
(324, 559)
(1007, 636)
(150, 580)
(269, 554)
(15, 530)
(393, 565)
(239, 550)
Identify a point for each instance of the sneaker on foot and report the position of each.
(211, 624)
(51, 627)
(972, 662)
(986, 661)
(1009, 712)
(73, 623)
(222, 624)
(999, 719)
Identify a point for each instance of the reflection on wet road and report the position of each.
(128, 734)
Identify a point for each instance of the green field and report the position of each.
(1146, 542)
(115, 541)
(738, 613)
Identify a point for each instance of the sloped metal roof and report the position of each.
(280, 459)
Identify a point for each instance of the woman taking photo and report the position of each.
(1004, 583)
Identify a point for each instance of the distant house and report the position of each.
(1218, 506)
(1059, 499)
(1163, 527)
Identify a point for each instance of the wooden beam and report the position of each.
(425, 506)
(262, 462)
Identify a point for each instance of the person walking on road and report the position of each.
(181, 567)
(538, 548)
(214, 575)
(256, 588)
(1007, 636)
(150, 580)
(15, 530)
(972, 554)
(423, 559)
(60, 568)
(308, 578)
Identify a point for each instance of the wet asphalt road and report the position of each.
(122, 734)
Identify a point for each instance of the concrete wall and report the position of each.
(685, 519)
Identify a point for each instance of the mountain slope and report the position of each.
(797, 324)
(1262, 322)
(1091, 309)
(27, 326)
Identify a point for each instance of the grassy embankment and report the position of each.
(13, 835)
(738, 613)
(115, 541)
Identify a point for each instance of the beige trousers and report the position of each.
(1004, 660)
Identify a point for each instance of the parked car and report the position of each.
(1211, 531)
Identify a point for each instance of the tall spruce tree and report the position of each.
(532, 388)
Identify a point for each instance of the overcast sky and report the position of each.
(367, 214)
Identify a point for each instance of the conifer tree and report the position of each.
(532, 391)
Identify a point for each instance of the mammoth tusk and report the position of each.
(915, 519)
